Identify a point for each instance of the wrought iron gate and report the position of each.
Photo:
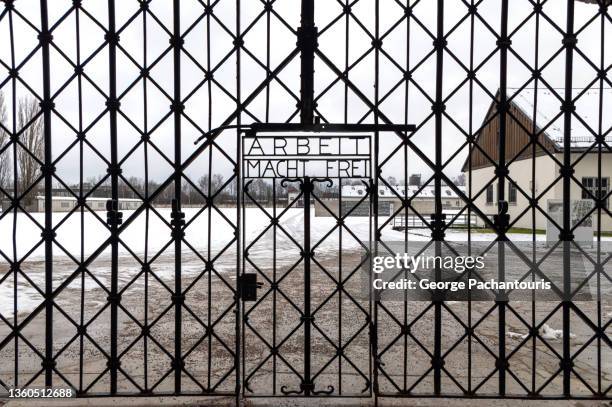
(169, 296)
(308, 297)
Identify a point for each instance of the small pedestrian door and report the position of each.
(306, 310)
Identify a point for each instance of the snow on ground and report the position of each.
(69, 232)
(546, 332)
(222, 230)
(156, 237)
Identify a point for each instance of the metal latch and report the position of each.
(248, 285)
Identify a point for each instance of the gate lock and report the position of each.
(248, 285)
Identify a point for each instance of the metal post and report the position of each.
(177, 108)
(374, 205)
(307, 43)
(239, 219)
(501, 172)
(48, 234)
(114, 169)
(438, 231)
(307, 386)
(569, 41)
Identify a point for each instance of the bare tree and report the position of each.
(5, 157)
(32, 145)
(215, 183)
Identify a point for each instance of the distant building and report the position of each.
(293, 193)
(67, 203)
(414, 180)
(584, 156)
(389, 201)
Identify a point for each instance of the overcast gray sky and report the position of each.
(407, 44)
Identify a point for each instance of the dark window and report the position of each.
(592, 185)
(512, 193)
(490, 194)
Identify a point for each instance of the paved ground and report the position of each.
(210, 360)
(188, 401)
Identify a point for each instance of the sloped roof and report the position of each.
(549, 117)
(549, 110)
(428, 191)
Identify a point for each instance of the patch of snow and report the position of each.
(550, 333)
(546, 332)
(27, 299)
(515, 335)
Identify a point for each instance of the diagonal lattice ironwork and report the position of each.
(121, 89)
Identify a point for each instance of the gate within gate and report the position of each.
(307, 243)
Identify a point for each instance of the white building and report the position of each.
(67, 203)
(422, 200)
(547, 183)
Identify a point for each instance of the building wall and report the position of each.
(66, 205)
(546, 173)
(587, 167)
(425, 207)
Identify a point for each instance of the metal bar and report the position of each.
(330, 127)
(600, 128)
(239, 212)
(307, 40)
(307, 186)
(243, 234)
(534, 131)
(374, 197)
(239, 259)
(274, 279)
(15, 182)
(503, 43)
(82, 209)
(438, 231)
(146, 266)
(404, 220)
(470, 340)
(209, 257)
(48, 174)
(112, 104)
(569, 41)
(177, 106)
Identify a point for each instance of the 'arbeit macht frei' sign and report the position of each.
(296, 156)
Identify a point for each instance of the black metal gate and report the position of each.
(305, 298)
(147, 300)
